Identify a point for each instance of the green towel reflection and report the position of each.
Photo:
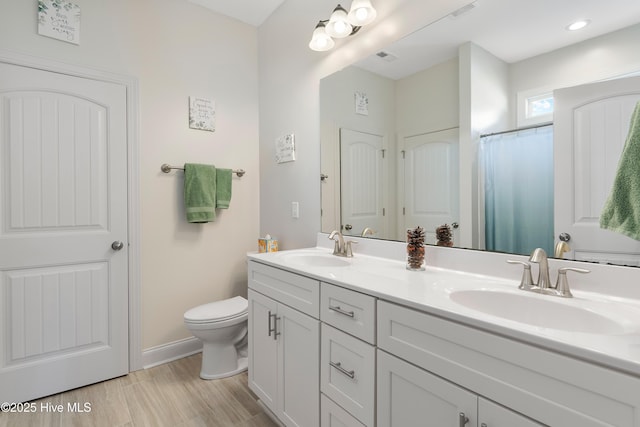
(621, 212)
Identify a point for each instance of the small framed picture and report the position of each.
(362, 103)
(286, 148)
(202, 114)
(59, 19)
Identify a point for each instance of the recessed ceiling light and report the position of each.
(578, 25)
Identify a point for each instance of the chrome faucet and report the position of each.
(366, 231)
(341, 248)
(539, 256)
(338, 247)
(543, 286)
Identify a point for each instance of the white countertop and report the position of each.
(430, 291)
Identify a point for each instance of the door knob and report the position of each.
(565, 237)
(348, 227)
(116, 246)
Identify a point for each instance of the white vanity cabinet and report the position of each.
(410, 396)
(364, 354)
(347, 361)
(284, 344)
(449, 360)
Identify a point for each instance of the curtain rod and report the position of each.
(518, 129)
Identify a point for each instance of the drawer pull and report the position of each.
(484, 425)
(338, 366)
(337, 309)
(462, 419)
(273, 329)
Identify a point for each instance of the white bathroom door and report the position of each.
(361, 182)
(591, 123)
(431, 185)
(63, 232)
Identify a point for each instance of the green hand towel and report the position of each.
(200, 192)
(621, 212)
(223, 188)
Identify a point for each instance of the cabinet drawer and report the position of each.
(332, 415)
(549, 387)
(349, 311)
(294, 290)
(347, 373)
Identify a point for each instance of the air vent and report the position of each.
(462, 10)
(386, 56)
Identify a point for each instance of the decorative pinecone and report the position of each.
(415, 248)
(444, 235)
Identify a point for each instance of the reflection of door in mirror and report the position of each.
(430, 178)
(591, 124)
(361, 182)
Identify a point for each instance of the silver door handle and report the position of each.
(117, 245)
(462, 419)
(338, 366)
(348, 227)
(565, 237)
(337, 309)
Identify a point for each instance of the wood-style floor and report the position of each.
(169, 395)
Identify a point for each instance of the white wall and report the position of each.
(175, 49)
(600, 58)
(427, 101)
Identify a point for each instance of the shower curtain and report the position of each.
(517, 171)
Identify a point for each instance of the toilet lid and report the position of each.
(218, 311)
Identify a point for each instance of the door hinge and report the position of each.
(383, 150)
(383, 212)
(402, 154)
(403, 210)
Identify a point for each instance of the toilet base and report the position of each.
(243, 363)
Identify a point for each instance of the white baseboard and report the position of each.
(169, 352)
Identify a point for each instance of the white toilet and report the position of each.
(222, 328)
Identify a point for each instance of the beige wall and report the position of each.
(174, 49)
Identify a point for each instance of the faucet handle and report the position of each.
(527, 281)
(349, 249)
(562, 284)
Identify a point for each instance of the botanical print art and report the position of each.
(59, 19)
(202, 114)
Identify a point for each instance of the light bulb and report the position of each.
(338, 25)
(361, 13)
(320, 40)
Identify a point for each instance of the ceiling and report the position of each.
(512, 30)
(253, 12)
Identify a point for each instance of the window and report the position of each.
(540, 105)
(535, 107)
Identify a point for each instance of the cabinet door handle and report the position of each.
(462, 419)
(338, 366)
(272, 329)
(337, 309)
(275, 326)
(484, 425)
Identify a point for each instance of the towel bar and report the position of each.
(167, 168)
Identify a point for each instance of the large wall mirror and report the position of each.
(495, 120)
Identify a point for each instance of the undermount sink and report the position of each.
(540, 312)
(317, 260)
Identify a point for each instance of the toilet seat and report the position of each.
(218, 311)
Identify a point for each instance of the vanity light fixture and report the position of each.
(578, 25)
(342, 24)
